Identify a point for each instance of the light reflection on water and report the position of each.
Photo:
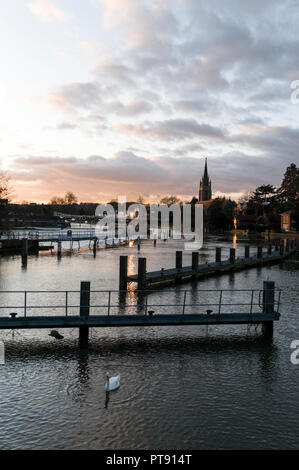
(181, 387)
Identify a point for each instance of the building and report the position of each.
(205, 187)
(286, 221)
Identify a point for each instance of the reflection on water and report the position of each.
(183, 387)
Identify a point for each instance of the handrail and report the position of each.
(143, 303)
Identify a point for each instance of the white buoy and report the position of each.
(112, 383)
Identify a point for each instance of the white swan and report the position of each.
(112, 383)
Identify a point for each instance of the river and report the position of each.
(221, 387)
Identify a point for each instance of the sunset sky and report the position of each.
(112, 97)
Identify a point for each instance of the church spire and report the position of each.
(205, 188)
(206, 175)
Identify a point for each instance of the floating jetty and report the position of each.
(242, 307)
(273, 254)
(29, 243)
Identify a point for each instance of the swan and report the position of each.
(112, 383)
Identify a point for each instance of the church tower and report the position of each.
(205, 188)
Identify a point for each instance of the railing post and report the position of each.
(123, 272)
(66, 302)
(268, 306)
(247, 251)
(179, 259)
(109, 302)
(220, 300)
(84, 310)
(194, 260)
(259, 252)
(25, 304)
(251, 303)
(185, 294)
(141, 273)
(232, 255)
(218, 254)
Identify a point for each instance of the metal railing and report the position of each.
(40, 235)
(138, 302)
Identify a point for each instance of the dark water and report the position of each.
(181, 387)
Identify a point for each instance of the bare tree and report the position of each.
(169, 200)
(70, 198)
(56, 201)
(140, 199)
(5, 189)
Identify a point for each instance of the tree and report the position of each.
(70, 198)
(288, 192)
(4, 186)
(262, 200)
(4, 194)
(57, 201)
(289, 189)
(245, 197)
(193, 201)
(220, 214)
(264, 194)
(140, 199)
(169, 200)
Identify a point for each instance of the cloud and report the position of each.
(98, 179)
(176, 79)
(76, 95)
(47, 11)
(172, 129)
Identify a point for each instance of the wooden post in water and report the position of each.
(287, 245)
(141, 273)
(123, 272)
(194, 260)
(59, 248)
(269, 249)
(247, 251)
(179, 259)
(268, 306)
(24, 246)
(95, 246)
(276, 245)
(232, 255)
(259, 252)
(218, 254)
(138, 243)
(292, 244)
(84, 310)
(281, 248)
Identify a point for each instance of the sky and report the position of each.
(128, 97)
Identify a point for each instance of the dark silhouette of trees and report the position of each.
(68, 200)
